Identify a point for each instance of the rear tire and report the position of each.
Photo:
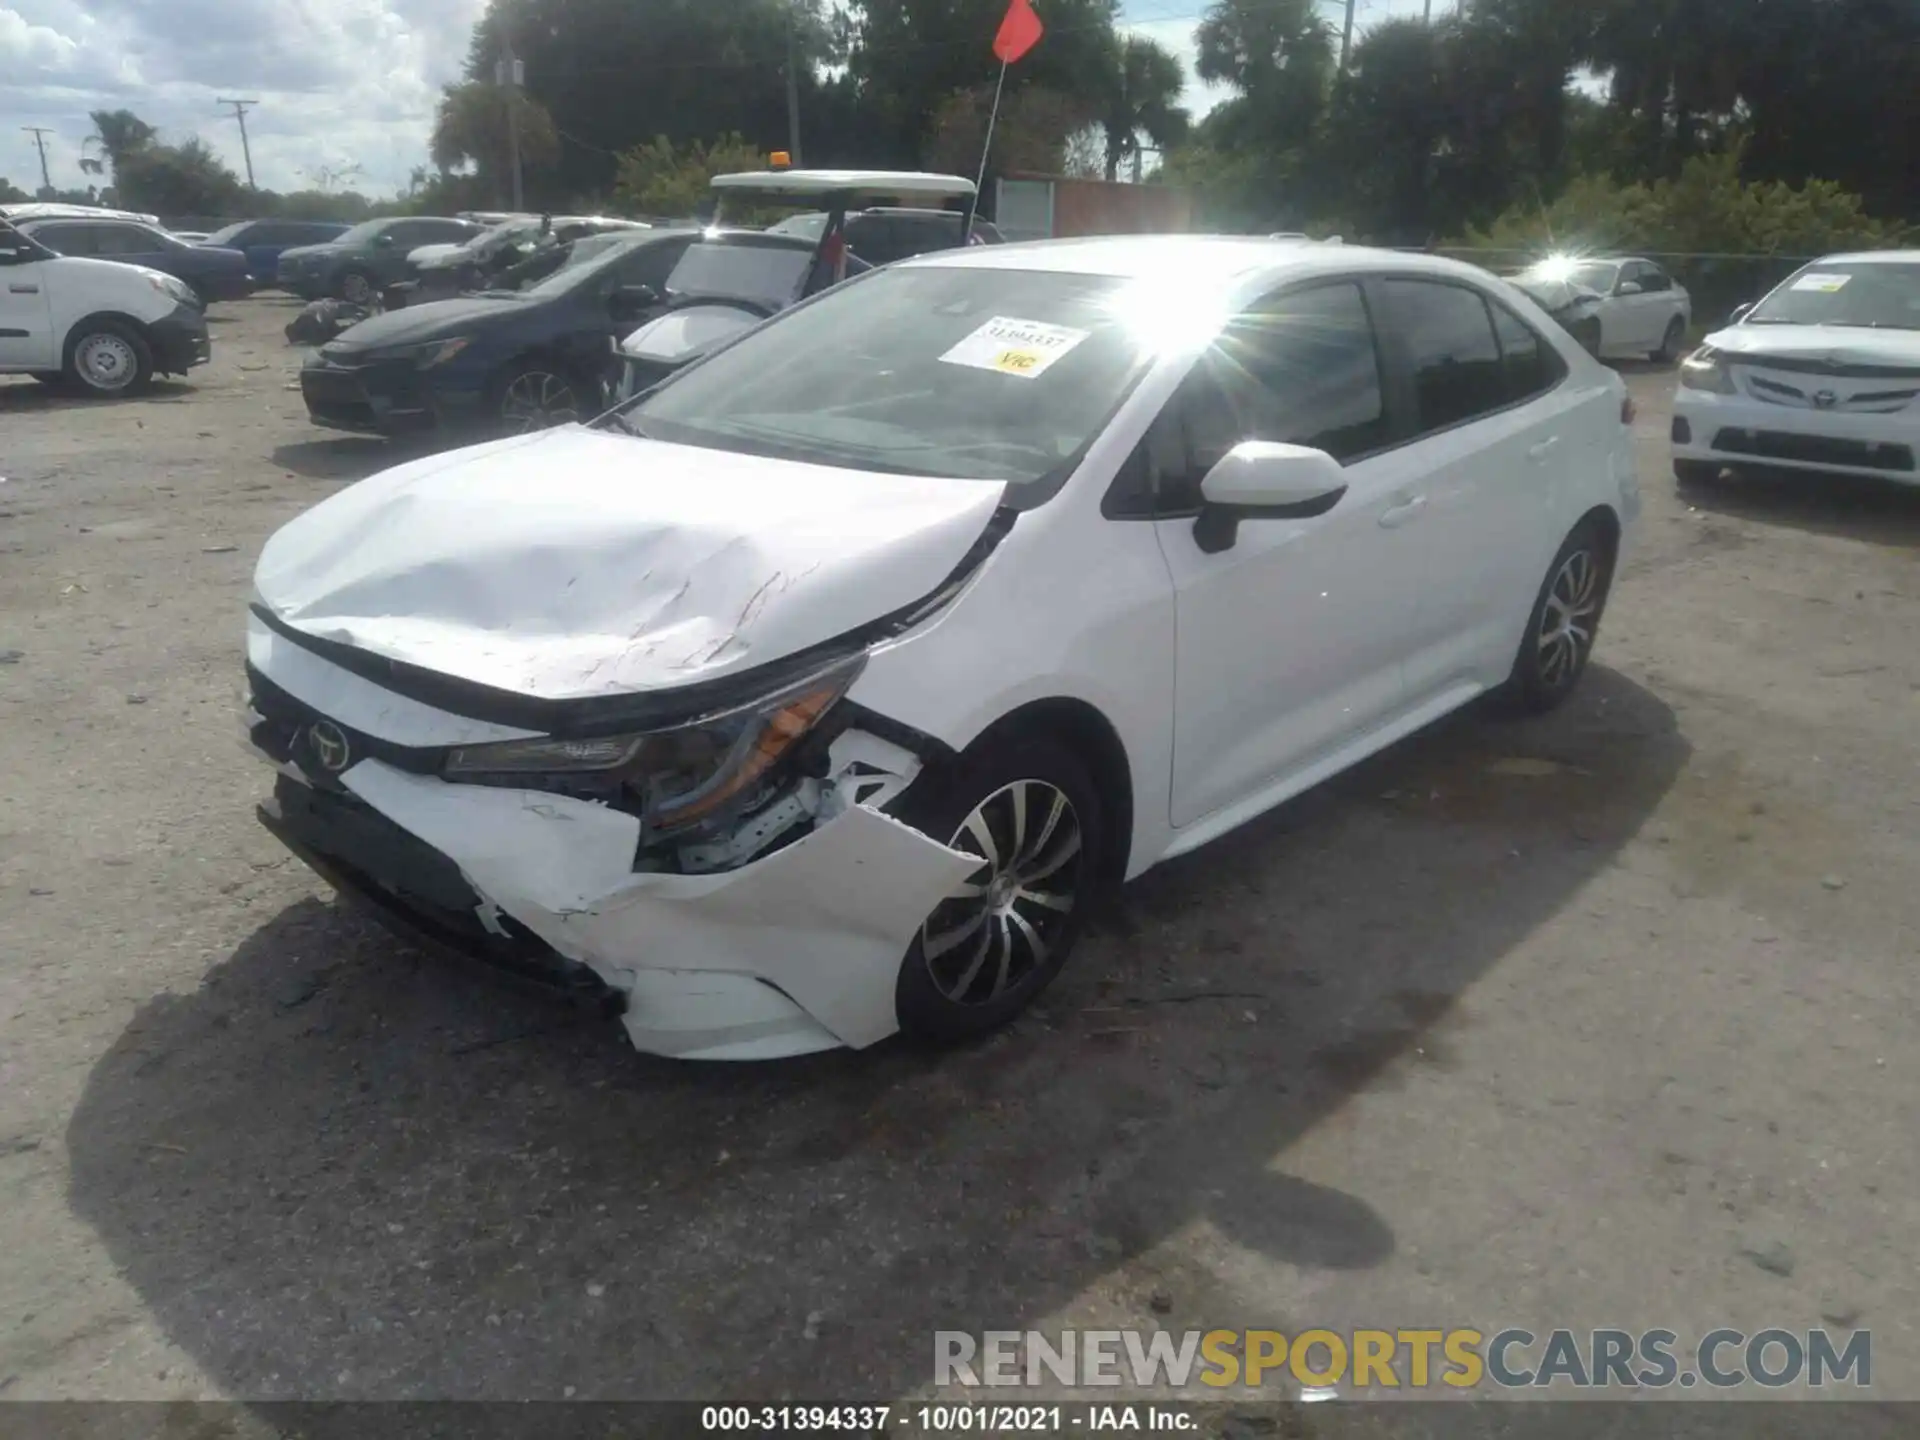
(108, 359)
(1565, 622)
(1029, 808)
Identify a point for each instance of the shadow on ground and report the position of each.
(24, 397)
(338, 1168)
(344, 457)
(1853, 507)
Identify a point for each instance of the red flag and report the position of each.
(1020, 31)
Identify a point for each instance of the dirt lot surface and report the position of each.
(1624, 1038)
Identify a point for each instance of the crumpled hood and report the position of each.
(587, 563)
(1840, 344)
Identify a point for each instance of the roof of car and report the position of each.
(1227, 258)
(828, 182)
(54, 210)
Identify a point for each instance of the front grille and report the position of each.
(1815, 450)
(1818, 397)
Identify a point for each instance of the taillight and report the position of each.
(1627, 412)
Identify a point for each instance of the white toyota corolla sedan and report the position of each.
(811, 695)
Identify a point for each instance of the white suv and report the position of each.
(105, 328)
(1823, 374)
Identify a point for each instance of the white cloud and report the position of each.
(340, 82)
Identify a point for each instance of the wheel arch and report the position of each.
(78, 327)
(1607, 520)
(1082, 727)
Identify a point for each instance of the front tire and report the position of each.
(356, 288)
(108, 359)
(538, 396)
(1672, 342)
(1028, 808)
(1564, 623)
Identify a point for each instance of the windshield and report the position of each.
(1598, 275)
(930, 370)
(1870, 293)
(808, 227)
(360, 234)
(227, 232)
(576, 271)
(768, 273)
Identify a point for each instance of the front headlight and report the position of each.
(172, 288)
(682, 775)
(1705, 370)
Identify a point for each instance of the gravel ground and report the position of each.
(1622, 1039)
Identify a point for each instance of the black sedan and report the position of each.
(497, 362)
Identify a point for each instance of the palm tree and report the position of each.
(1142, 98)
(116, 135)
(1279, 54)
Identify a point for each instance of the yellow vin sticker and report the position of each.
(1010, 346)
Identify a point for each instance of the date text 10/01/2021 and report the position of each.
(946, 1419)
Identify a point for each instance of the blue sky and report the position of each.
(346, 87)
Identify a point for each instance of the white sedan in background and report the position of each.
(814, 693)
(1641, 310)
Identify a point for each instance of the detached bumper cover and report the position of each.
(385, 398)
(1735, 429)
(795, 952)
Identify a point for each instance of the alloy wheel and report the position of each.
(536, 400)
(1002, 922)
(106, 361)
(1568, 619)
(356, 289)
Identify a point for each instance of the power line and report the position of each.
(40, 134)
(240, 108)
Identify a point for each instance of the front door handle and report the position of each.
(1544, 448)
(23, 289)
(1397, 515)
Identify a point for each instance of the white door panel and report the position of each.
(1291, 642)
(26, 332)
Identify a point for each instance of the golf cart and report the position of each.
(732, 279)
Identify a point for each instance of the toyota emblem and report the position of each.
(1825, 399)
(330, 746)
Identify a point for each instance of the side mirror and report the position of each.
(1740, 311)
(383, 242)
(1629, 287)
(629, 301)
(1262, 480)
(13, 254)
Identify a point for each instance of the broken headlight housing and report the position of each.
(680, 776)
(1705, 370)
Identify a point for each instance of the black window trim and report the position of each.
(1113, 507)
(1396, 380)
(1403, 366)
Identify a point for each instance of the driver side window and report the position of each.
(1301, 368)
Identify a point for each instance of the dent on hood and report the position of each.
(589, 563)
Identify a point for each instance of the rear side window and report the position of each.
(1455, 360)
(71, 239)
(1533, 367)
(125, 240)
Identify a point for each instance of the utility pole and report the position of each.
(240, 108)
(793, 84)
(40, 140)
(1346, 36)
(1429, 15)
(508, 73)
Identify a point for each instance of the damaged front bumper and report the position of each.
(794, 952)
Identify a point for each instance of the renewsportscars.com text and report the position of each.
(1410, 1359)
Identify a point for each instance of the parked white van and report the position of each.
(103, 327)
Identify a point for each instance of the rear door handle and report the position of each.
(1543, 449)
(1397, 515)
(23, 289)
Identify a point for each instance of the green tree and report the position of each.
(470, 128)
(117, 134)
(1279, 54)
(9, 195)
(1141, 97)
(1035, 131)
(183, 179)
(661, 178)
